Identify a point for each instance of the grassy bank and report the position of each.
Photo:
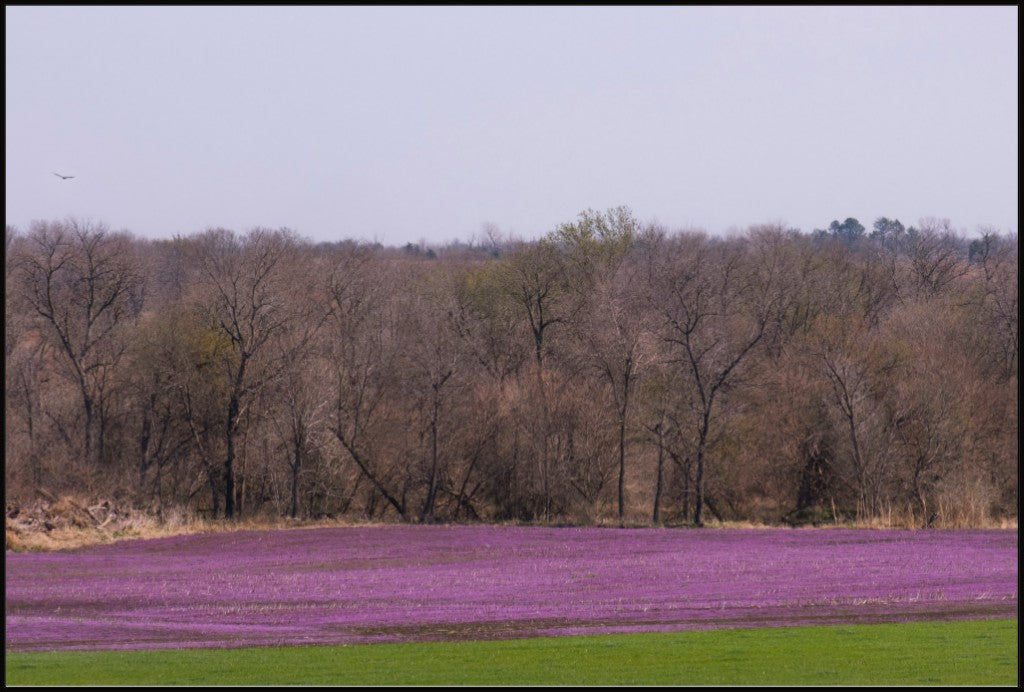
(982, 652)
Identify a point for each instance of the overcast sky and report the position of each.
(407, 123)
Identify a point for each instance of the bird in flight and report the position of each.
(64, 177)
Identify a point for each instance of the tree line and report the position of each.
(611, 371)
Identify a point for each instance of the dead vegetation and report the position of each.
(64, 523)
(611, 372)
(55, 523)
(67, 522)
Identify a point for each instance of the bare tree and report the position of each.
(856, 363)
(720, 301)
(434, 377)
(298, 400)
(936, 260)
(366, 353)
(302, 415)
(997, 304)
(611, 320)
(486, 320)
(83, 286)
(763, 375)
(534, 279)
(242, 282)
(167, 359)
(661, 395)
(616, 337)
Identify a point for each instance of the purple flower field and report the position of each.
(417, 583)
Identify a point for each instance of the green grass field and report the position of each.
(980, 652)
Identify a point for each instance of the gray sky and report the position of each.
(408, 123)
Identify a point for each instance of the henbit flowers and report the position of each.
(403, 583)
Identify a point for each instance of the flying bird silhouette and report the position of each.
(64, 177)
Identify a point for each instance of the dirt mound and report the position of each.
(51, 521)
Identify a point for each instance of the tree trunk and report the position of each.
(698, 481)
(623, 412)
(428, 505)
(229, 459)
(296, 466)
(622, 467)
(658, 481)
(87, 405)
(231, 429)
(399, 505)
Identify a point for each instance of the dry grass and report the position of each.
(71, 538)
(74, 539)
(68, 523)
